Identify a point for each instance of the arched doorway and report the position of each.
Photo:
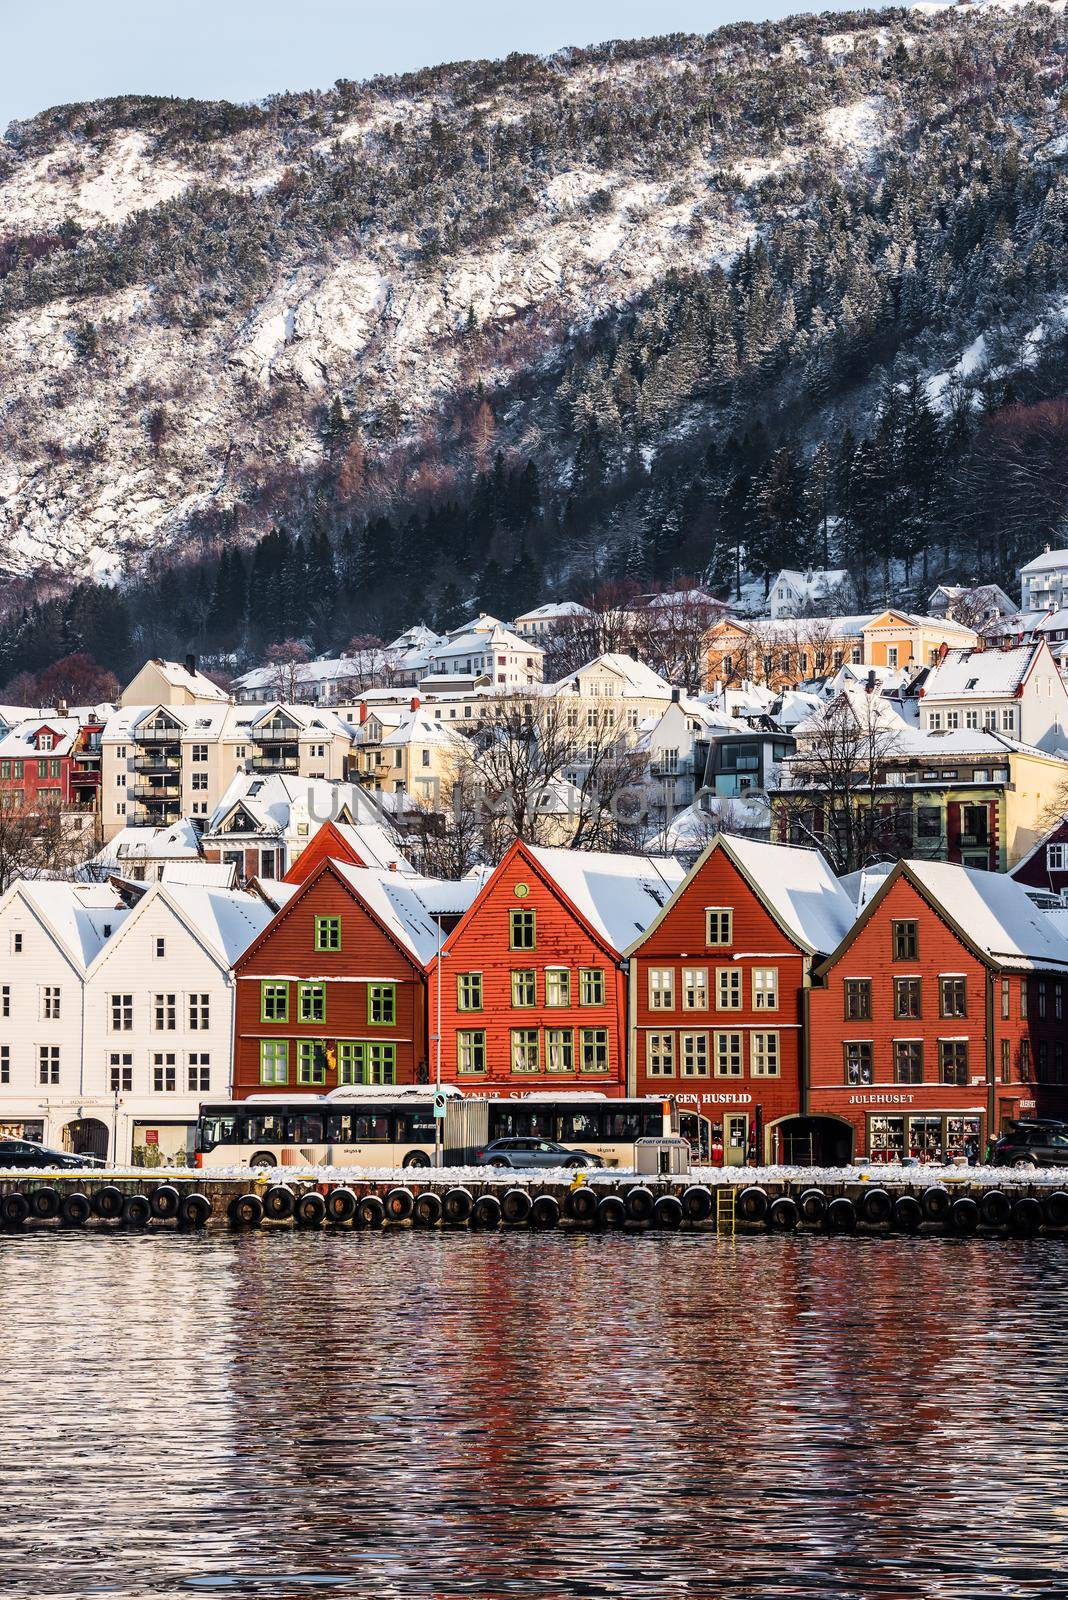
(811, 1141)
(86, 1136)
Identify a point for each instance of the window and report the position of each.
(200, 752)
(1055, 857)
(159, 948)
(525, 1052)
(121, 1013)
(695, 988)
(1025, 995)
(1006, 1062)
(764, 1055)
(1040, 995)
(891, 655)
(469, 991)
(908, 1060)
(718, 926)
(591, 986)
(274, 1002)
(559, 1050)
(274, 1060)
(311, 1002)
(16, 944)
(906, 997)
(857, 999)
(953, 997)
(765, 988)
(5, 1063)
(311, 1061)
(48, 1063)
(693, 1050)
(1058, 1000)
(50, 1002)
(524, 987)
(660, 1055)
(522, 930)
(328, 933)
(858, 1066)
(199, 1012)
(471, 1051)
(1025, 1060)
(661, 989)
(595, 1049)
(728, 988)
(953, 1060)
(5, 1000)
(557, 986)
(165, 1012)
(199, 1073)
(164, 1072)
(1005, 998)
(382, 1004)
(728, 1055)
(200, 781)
(928, 822)
(905, 941)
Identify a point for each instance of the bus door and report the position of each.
(735, 1138)
(697, 1131)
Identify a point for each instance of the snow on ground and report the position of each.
(859, 128)
(970, 361)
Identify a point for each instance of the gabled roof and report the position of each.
(223, 921)
(983, 674)
(637, 678)
(416, 728)
(796, 886)
(617, 895)
(269, 800)
(406, 905)
(988, 911)
(81, 917)
(178, 675)
(1048, 561)
(554, 611)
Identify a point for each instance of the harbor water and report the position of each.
(435, 1415)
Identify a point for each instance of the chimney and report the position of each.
(62, 709)
(363, 712)
(676, 696)
(392, 866)
(191, 665)
(414, 705)
(871, 680)
(633, 653)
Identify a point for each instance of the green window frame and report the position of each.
(524, 987)
(311, 1002)
(382, 1004)
(525, 1050)
(274, 1060)
(591, 986)
(470, 1051)
(469, 991)
(274, 1002)
(311, 1061)
(328, 933)
(557, 986)
(594, 1050)
(559, 1050)
(366, 1061)
(522, 929)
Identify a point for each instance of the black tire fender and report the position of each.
(45, 1203)
(341, 1205)
(426, 1212)
(1027, 1215)
(76, 1210)
(995, 1208)
(136, 1211)
(456, 1207)
(639, 1203)
(278, 1202)
(14, 1209)
(783, 1215)
(245, 1210)
(752, 1205)
(194, 1210)
(611, 1212)
(311, 1210)
(399, 1205)
(107, 1202)
(908, 1214)
(964, 1215)
(582, 1204)
(667, 1211)
(370, 1212)
(876, 1207)
(545, 1212)
(486, 1212)
(515, 1206)
(936, 1202)
(164, 1201)
(1055, 1209)
(697, 1203)
(813, 1206)
(841, 1215)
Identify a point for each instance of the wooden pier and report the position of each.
(1022, 1205)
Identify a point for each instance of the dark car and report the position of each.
(1032, 1144)
(534, 1153)
(26, 1153)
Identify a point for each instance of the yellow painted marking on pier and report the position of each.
(726, 1220)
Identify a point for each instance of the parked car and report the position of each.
(534, 1153)
(27, 1153)
(1032, 1144)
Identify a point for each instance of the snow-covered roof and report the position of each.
(177, 841)
(478, 641)
(554, 611)
(995, 912)
(271, 798)
(691, 828)
(1048, 561)
(637, 678)
(20, 741)
(82, 916)
(812, 584)
(419, 729)
(418, 637)
(799, 888)
(862, 886)
(407, 904)
(205, 874)
(178, 675)
(982, 674)
(619, 895)
(374, 845)
(226, 919)
(483, 623)
(683, 597)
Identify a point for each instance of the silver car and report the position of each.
(534, 1153)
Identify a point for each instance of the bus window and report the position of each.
(304, 1128)
(264, 1127)
(625, 1126)
(415, 1125)
(579, 1125)
(370, 1127)
(218, 1130)
(652, 1118)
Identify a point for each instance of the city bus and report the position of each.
(366, 1127)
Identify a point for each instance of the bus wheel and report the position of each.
(416, 1158)
(262, 1158)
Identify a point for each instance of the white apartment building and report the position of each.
(262, 824)
(1044, 582)
(116, 1018)
(793, 592)
(547, 619)
(1016, 691)
(488, 651)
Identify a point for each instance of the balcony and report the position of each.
(157, 735)
(275, 733)
(156, 793)
(281, 761)
(157, 761)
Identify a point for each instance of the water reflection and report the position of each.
(462, 1415)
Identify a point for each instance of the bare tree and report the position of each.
(673, 635)
(444, 835)
(43, 842)
(834, 791)
(608, 627)
(286, 658)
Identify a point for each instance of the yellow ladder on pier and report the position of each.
(725, 1215)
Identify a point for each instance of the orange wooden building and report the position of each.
(717, 986)
(533, 987)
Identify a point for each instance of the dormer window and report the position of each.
(44, 741)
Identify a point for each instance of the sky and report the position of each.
(56, 51)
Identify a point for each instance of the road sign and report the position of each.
(440, 1102)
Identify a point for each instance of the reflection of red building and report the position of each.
(534, 992)
(334, 990)
(939, 1017)
(717, 993)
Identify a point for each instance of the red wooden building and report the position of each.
(939, 1017)
(334, 990)
(717, 993)
(1045, 866)
(366, 845)
(50, 761)
(533, 989)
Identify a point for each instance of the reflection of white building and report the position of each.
(116, 1010)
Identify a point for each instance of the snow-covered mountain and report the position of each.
(217, 316)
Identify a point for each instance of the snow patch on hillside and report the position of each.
(858, 128)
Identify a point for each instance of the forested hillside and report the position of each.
(492, 332)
